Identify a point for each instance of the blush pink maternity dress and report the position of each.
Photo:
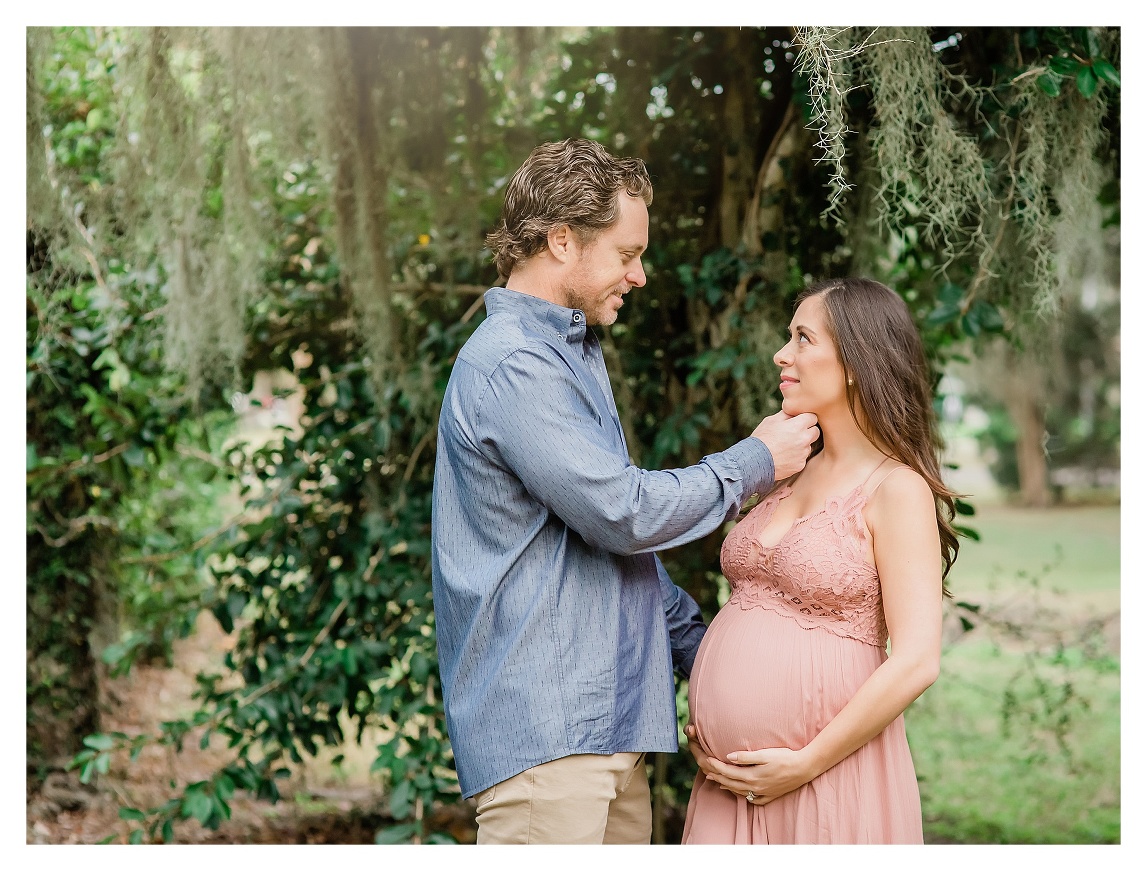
(802, 630)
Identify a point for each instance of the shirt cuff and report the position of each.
(754, 464)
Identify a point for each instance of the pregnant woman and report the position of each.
(832, 629)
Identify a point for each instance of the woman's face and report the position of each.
(812, 376)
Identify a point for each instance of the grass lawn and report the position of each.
(1019, 740)
(1077, 548)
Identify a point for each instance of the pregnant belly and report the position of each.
(761, 680)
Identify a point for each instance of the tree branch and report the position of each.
(750, 236)
(75, 527)
(430, 433)
(83, 461)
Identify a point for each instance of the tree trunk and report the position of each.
(1028, 417)
(739, 157)
(1024, 396)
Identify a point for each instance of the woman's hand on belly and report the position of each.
(767, 774)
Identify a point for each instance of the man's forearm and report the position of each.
(683, 616)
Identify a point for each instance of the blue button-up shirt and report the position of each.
(558, 629)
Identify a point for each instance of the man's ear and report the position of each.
(562, 243)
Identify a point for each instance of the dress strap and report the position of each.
(870, 490)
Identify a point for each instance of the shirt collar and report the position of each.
(567, 323)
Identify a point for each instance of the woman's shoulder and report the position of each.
(901, 489)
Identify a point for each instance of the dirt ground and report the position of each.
(317, 808)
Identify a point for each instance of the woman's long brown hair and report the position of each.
(882, 354)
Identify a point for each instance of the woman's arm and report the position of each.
(906, 542)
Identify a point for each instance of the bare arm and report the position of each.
(907, 550)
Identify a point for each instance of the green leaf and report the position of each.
(401, 799)
(224, 787)
(131, 813)
(223, 615)
(942, 314)
(964, 508)
(1091, 38)
(1086, 81)
(1109, 193)
(1065, 66)
(99, 742)
(136, 836)
(1104, 70)
(1049, 84)
(951, 293)
(221, 811)
(419, 667)
(984, 317)
(399, 834)
(198, 804)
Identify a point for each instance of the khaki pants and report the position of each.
(582, 799)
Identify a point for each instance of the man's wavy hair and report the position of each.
(574, 182)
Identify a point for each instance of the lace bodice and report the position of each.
(817, 573)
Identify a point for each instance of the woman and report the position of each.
(795, 705)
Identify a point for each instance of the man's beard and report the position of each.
(597, 309)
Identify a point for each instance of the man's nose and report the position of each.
(636, 277)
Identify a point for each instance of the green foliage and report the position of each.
(982, 151)
(106, 478)
(1018, 741)
(1017, 744)
(336, 252)
(102, 483)
(325, 584)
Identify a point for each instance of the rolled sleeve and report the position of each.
(748, 462)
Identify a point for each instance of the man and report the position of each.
(558, 629)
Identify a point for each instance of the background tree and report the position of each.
(315, 200)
